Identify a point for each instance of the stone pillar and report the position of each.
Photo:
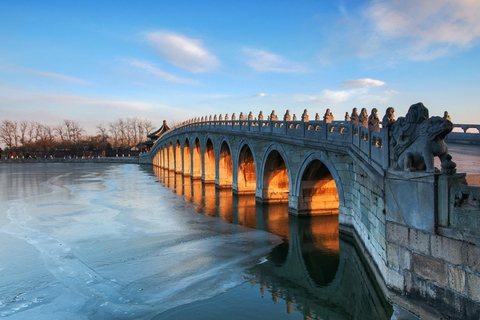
(444, 183)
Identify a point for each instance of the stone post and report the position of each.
(444, 183)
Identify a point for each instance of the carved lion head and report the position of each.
(436, 128)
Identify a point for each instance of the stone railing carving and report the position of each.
(464, 210)
(417, 138)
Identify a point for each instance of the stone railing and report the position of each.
(365, 135)
(372, 146)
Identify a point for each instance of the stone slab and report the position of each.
(430, 269)
(397, 233)
(419, 241)
(457, 279)
(410, 200)
(472, 257)
(473, 287)
(447, 249)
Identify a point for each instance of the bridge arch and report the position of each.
(197, 159)
(178, 157)
(209, 161)
(187, 158)
(159, 157)
(164, 160)
(245, 178)
(274, 179)
(225, 165)
(318, 188)
(171, 157)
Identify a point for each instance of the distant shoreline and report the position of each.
(73, 160)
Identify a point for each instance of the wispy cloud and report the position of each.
(57, 76)
(152, 69)
(52, 107)
(357, 90)
(365, 82)
(261, 94)
(406, 29)
(264, 61)
(182, 51)
(336, 96)
(431, 28)
(390, 92)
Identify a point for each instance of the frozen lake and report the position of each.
(99, 241)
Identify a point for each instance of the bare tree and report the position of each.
(9, 134)
(70, 131)
(76, 132)
(147, 127)
(128, 132)
(122, 132)
(46, 137)
(102, 137)
(102, 131)
(23, 132)
(114, 133)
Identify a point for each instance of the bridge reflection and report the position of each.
(315, 271)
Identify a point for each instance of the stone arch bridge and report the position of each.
(308, 165)
(346, 168)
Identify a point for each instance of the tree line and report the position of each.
(31, 139)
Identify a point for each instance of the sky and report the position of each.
(98, 61)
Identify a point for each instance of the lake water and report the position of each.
(94, 241)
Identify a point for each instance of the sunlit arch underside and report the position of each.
(197, 160)
(225, 167)
(246, 174)
(209, 161)
(275, 179)
(187, 159)
(318, 192)
(171, 157)
(178, 157)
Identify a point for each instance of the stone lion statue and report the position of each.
(417, 139)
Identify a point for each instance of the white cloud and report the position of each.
(430, 29)
(390, 92)
(184, 52)
(151, 68)
(336, 96)
(264, 61)
(57, 76)
(261, 94)
(365, 82)
(352, 91)
(405, 29)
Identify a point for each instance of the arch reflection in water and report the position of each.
(313, 272)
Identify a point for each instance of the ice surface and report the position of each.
(108, 241)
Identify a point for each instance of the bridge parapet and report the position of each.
(466, 127)
(371, 146)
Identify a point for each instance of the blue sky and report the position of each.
(98, 61)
